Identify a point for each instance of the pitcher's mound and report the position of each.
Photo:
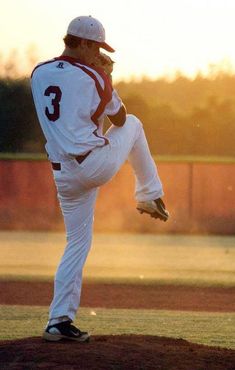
(124, 352)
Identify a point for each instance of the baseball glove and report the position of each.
(105, 62)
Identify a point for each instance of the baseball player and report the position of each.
(72, 95)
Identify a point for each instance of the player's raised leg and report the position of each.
(130, 141)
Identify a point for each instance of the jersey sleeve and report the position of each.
(114, 104)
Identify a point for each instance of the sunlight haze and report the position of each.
(152, 38)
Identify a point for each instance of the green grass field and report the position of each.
(178, 259)
(214, 329)
(181, 259)
(159, 158)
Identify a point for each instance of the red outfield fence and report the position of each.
(200, 196)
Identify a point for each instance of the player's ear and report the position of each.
(84, 43)
(89, 43)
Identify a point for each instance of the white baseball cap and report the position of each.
(87, 27)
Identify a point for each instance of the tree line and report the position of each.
(180, 117)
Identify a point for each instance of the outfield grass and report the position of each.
(23, 156)
(201, 260)
(158, 158)
(177, 259)
(214, 329)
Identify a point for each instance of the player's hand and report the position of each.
(105, 62)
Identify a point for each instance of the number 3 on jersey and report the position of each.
(55, 102)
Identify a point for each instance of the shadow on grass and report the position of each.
(114, 352)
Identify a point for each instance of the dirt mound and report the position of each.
(124, 352)
(163, 297)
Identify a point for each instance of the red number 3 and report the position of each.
(55, 102)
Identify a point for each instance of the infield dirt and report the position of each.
(119, 352)
(159, 297)
(124, 352)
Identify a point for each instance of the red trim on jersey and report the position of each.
(104, 94)
(101, 137)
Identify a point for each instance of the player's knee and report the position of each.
(132, 119)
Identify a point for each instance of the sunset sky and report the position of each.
(151, 37)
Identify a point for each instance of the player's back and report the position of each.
(66, 98)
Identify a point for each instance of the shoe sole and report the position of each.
(153, 214)
(56, 338)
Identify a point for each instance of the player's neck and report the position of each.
(74, 53)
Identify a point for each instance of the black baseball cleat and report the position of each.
(155, 208)
(64, 330)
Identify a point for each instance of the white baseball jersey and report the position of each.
(71, 100)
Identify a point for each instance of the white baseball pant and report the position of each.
(77, 186)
